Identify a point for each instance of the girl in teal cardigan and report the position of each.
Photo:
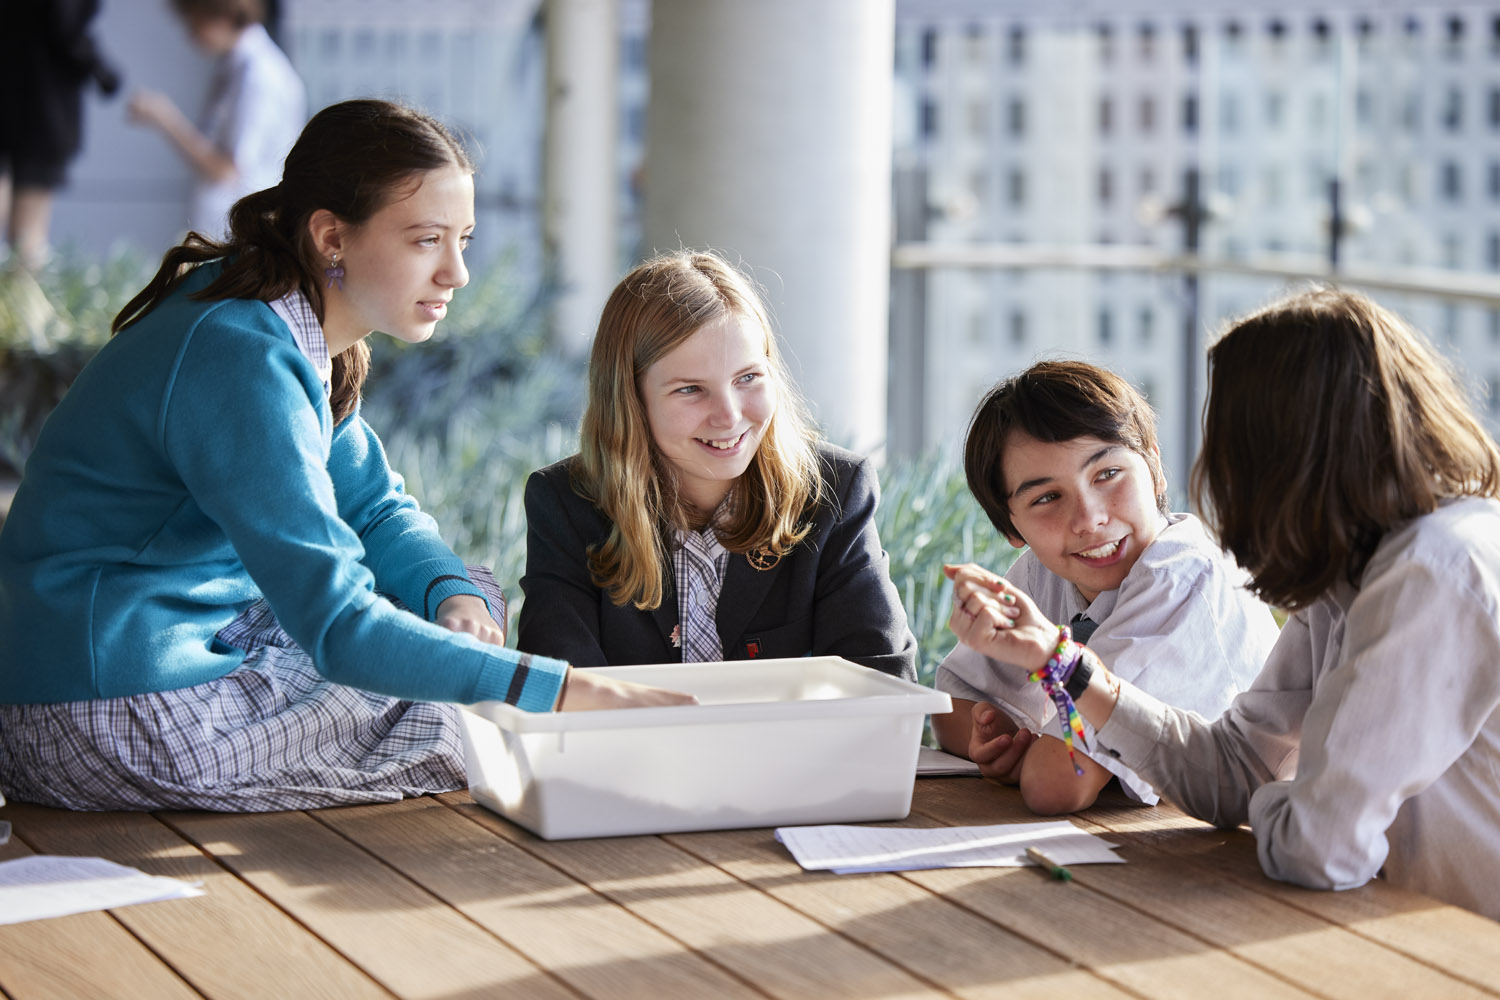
(213, 453)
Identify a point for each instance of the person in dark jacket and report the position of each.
(47, 57)
(702, 518)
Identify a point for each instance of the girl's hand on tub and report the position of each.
(587, 692)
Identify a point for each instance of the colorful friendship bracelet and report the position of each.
(1054, 676)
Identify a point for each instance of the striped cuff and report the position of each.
(443, 587)
(530, 682)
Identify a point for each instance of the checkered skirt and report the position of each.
(273, 734)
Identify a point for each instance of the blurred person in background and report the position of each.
(255, 109)
(47, 57)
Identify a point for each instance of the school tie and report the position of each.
(700, 637)
(1083, 628)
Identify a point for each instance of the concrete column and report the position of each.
(580, 224)
(769, 138)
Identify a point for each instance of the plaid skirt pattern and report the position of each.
(273, 734)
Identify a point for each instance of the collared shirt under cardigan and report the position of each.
(194, 465)
(831, 595)
(1181, 625)
(1371, 740)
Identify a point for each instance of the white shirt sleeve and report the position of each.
(1369, 739)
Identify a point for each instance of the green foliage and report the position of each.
(927, 517)
(51, 323)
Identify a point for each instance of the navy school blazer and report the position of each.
(831, 595)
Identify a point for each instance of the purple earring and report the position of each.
(334, 273)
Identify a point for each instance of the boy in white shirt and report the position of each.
(1064, 460)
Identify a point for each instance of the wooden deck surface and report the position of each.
(439, 898)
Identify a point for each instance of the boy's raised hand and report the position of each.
(995, 745)
(996, 619)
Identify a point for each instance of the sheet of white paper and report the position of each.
(850, 849)
(932, 762)
(47, 885)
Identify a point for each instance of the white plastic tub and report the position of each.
(772, 742)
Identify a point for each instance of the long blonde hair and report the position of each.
(656, 307)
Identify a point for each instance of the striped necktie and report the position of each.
(700, 636)
(1083, 628)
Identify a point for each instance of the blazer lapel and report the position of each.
(745, 589)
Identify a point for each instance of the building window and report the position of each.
(929, 48)
(1190, 44)
(1364, 108)
(1275, 109)
(974, 45)
(1455, 46)
(1492, 252)
(1272, 184)
(1234, 39)
(1411, 112)
(1229, 179)
(929, 118)
(1106, 185)
(1147, 324)
(1451, 181)
(1017, 327)
(1147, 40)
(1494, 180)
(979, 186)
(1148, 113)
(1322, 40)
(1148, 180)
(978, 331)
(1453, 109)
(1317, 112)
(1229, 113)
(1494, 103)
(1106, 331)
(1015, 186)
(1015, 116)
(979, 113)
(1104, 34)
(1106, 115)
(1190, 114)
(1016, 46)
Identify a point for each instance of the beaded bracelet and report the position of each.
(1054, 676)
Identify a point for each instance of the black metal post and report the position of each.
(1192, 214)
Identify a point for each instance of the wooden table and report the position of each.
(439, 898)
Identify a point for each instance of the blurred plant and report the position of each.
(51, 323)
(927, 517)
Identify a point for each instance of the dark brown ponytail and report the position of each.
(351, 158)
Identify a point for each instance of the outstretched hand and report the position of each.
(996, 619)
(585, 691)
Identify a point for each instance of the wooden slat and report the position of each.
(227, 943)
(762, 940)
(943, 943)
(83, 955)
(1125, 945)
(1459, 942)
(400, 934)
(596, 947)
(1195, 878)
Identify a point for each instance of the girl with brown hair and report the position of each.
(702, 519)
(212, 454)
(1344, 469)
